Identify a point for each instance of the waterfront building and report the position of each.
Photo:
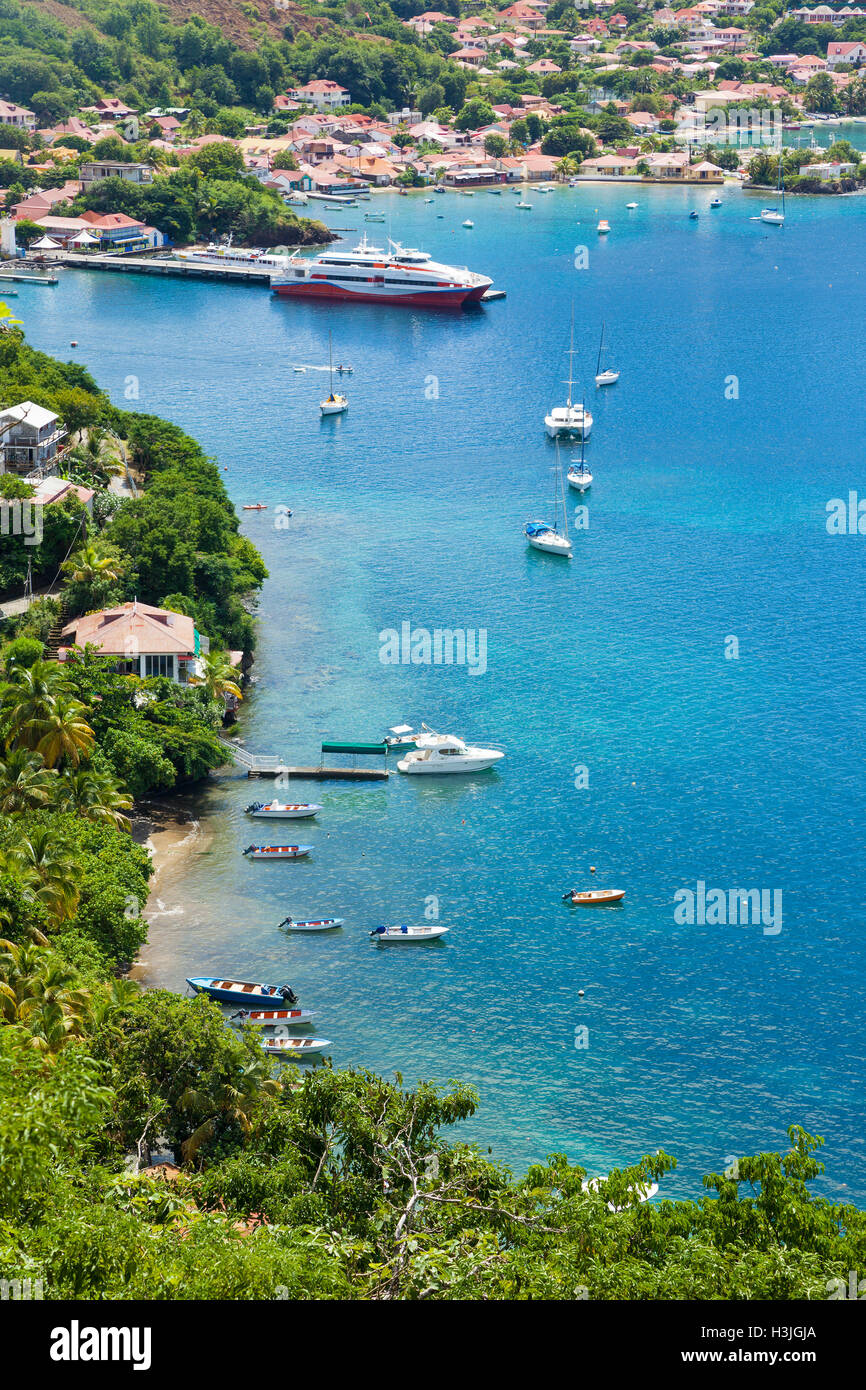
(145, 641)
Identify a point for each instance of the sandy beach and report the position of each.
(172, 834)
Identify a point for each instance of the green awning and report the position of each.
(377, 748)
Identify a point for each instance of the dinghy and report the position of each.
(322, 924)
(241, 991)
(274, 1018)
(277, 851)
(279, 810)
(254, 507)
(405, 934)
(594, 897)
(291, 1047)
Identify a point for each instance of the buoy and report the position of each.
(580, 994)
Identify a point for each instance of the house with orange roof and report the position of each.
(145, 641)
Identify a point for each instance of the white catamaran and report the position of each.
(569, 419)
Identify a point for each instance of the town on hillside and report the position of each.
(473, 95)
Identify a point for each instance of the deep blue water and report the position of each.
(707, 521)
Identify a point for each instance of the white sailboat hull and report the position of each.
(552, 544)
(580, 481)
(575, 424)
(335, 407)
(774, 218)
(606, 378)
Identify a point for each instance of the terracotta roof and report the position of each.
(135, 628)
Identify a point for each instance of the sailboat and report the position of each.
(540, 534)
(608, 376)
(580, 478)
(569, 419)
(776, 216)
(335, 404)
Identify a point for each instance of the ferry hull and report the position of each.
(427, 299)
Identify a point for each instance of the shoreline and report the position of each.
(172, 836)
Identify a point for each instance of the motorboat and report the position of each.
(693, 215)
(526, 206)
(716, 203)
(604, 376)
(274, 1018)
(386, 275)
(403, 735)
(468, 223)
(277, 851)
(255, 507)
(387, 935)
(594, 897)
(321, 924)
(631, 206)
(293, 1047)
(444, 753)
(280, 810)
(603, 227)
(241, 991)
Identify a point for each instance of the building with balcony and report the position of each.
(30, 438)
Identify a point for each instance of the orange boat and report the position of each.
(594, 897)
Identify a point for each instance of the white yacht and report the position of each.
(570, 419)
(540, 534)
(438, 753)
(580, 477)
(776, 216)
(604, 376)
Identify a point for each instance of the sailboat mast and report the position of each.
(571, 359)
(331, 360)
(600, 349)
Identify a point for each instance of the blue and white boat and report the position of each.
(321, 924)
(242, 991)
(406, 934)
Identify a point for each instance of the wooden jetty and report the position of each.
(259, 765)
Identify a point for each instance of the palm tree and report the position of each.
(235, 1100)
(63, 733)
(45, 870)
(39, 992)
(25, 782)
(95, 796)
(218, 676)
(92, 563)
(28, 697)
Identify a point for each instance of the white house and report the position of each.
(321, 93)
(30, 437)
(845, 53)
(19, 116)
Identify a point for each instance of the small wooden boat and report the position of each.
(322, 924)
(408, 934)
(274, 1018)
(594, 897)
(292, 1047)
(277, 851)
(283, 810)
(241, 991)
(254, 507)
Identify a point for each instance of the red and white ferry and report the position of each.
(396, 276)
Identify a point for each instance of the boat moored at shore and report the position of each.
(241, 991)
(438, 753)
(404, 934)
(277, 851)
(398, 275)
(279, 810)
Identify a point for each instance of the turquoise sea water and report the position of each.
(707, 521)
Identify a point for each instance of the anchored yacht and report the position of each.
(445, 753)
(398, 275)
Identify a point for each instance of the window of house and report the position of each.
(158, 666)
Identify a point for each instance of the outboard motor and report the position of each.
(288, 994)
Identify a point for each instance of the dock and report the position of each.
(260, 765)
(24, 279)
(165, 266)
(492, 294)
